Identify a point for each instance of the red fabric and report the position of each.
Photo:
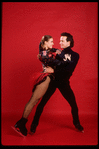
(54, 55)
(37, 78)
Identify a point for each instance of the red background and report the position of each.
(23, 25)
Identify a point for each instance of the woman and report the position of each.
(47, 57)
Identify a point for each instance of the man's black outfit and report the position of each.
(62, 75)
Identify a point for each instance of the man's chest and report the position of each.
(65, 56)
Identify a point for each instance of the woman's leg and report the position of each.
(37, 94)
(39, 91)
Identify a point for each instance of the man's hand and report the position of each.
(48, 70)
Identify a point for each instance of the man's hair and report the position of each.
(69, 38)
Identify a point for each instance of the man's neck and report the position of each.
(67, 47)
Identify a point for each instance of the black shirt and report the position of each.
(66, 71)
(63, 64)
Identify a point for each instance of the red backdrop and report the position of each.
(23, 25)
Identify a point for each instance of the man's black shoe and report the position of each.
(33, 129)
(79, 128)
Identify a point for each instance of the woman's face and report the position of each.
(49, 43)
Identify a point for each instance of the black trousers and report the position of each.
(66, 91)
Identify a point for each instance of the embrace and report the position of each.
(58, 66)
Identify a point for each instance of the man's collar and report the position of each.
(67, 49)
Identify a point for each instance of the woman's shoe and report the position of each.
(20, 128)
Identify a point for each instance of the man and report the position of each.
(62, 76)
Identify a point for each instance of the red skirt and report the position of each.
(38, 78)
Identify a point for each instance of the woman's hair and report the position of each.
(69, 38)
(45, 38)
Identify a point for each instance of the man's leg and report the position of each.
(40, 107)
(68, 94)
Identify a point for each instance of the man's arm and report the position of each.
(64, 66)
(48, 69)
(67, 66)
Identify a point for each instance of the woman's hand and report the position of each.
(38, 56)
(48, 70)
(58, 51)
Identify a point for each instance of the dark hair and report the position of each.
(45, 38)
(69, 38)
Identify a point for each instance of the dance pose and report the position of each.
(61, 81)
(47, 56)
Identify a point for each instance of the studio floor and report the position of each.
(52, 130)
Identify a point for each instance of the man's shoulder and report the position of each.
(76, 53)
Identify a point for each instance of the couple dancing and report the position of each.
(58, 67)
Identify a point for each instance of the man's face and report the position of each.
(63, 42)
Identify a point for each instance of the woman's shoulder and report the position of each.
(53, 50)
